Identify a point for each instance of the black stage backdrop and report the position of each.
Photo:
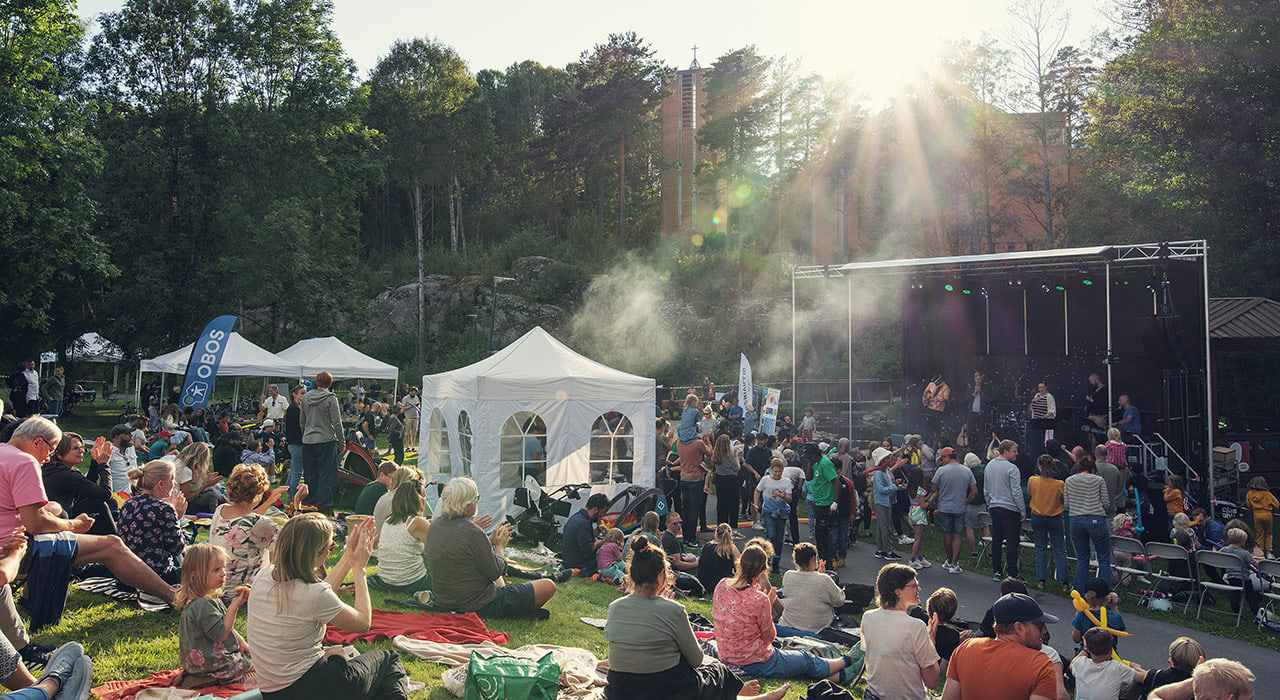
(1058, 337)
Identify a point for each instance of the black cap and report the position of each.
(1017, 607)
(119, 430)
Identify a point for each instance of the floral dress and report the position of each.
(916, 515)
(202, 655)
(244, 539)
(149, 527)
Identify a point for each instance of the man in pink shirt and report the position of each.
(23, 505)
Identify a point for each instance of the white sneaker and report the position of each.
(915, 564)
(758, 525)
(924, 563)
(903, 539)
(954, 569)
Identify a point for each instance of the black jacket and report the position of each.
(67, 486)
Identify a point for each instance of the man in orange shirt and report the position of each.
(1009, 666)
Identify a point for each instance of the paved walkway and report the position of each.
(1148, 645)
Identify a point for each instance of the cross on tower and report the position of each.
(695, 65)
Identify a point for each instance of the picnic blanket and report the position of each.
(110, 587)
(581, 673)
(128, 690)
(456, 628)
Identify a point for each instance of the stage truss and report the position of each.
(1022, 264)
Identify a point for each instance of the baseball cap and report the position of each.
(823, 447)
(1100, 588)
(268, 423)
(120, 429)
(946, 452)
(165, 433)
(1017, 607)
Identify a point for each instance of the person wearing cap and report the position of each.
(956, 487)
(274, 405)
(124, 458)
(883, 490)
(1010, 665)
(162, 446)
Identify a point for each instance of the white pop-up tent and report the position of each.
(331, 355)
(89, 347)
(537, 409)
(241, 358)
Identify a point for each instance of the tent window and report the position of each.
(523, 450)
(612, 449)
(438, 458)
(464, 439)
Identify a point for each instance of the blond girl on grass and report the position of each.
(212, 652)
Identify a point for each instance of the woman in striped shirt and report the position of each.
(1086, 499)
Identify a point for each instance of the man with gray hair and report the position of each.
(24, 505)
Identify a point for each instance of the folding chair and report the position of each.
(1229, 564)
(1270, 567)
(1128, 545)
(1172, 553)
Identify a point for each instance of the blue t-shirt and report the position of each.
(1135, 425)
(735, 416)
(158, 448)
(579, 536)
(688, 431)
(1084, 624)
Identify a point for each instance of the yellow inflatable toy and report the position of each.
(1079, 603)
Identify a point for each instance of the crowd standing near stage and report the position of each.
(271, 532)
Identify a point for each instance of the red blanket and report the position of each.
(126, 690)
(452, 628)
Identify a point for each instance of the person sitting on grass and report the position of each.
(467, 566)
(401, 545)
(1215, 679)
(942, 603)
(1098, 676)
(374, 491)
(745, 631)
(1185, 654)
(149, 521)
(76, 492)
(199, 484)
(211, 651)
(811, 596)
(901, 659)
(241, 527)
(647, 631)
(290, 605)
(719, 558)
(580, 542)
(382, 508)
(650, 522)
(681, 562)
(258, 452)
(609, 559)
(1097, 593)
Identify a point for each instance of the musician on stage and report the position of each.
(1044, 412)
(978, 401)
(1096, 410)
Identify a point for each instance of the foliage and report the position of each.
(53, 262)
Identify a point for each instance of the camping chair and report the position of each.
(1172, 553)
(1270, 567)
(1228, 563)
(1128, 545)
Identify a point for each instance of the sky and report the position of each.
(874, 43)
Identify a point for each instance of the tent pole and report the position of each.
(794, 398)
(1208, 378)
(137, 394)
(1108, 312)
(235, 397)
(849, 279)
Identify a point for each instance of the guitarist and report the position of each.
(1096, 410)
(1044, 411)
(936, 396)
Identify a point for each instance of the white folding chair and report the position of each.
(1128, 545)
(1270, 567)
(1227, 564)
(1172, 553)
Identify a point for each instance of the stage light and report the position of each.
(966, 291)
(1044, 288)
(949, 288)
(1060, 288)
(1087, 283)
(984, 292)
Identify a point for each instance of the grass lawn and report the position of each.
(127, 643)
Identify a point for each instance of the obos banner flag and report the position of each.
(744, 383)
(206, 357)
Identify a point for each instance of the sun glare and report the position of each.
(885, 46)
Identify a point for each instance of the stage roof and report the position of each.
(1050, 260)
(1244, 323)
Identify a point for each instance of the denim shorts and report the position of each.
(790, 664)
(951, 523)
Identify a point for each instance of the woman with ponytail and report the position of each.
(648, 631)
(745, 631)
(719, 558)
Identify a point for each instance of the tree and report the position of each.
(425, 102)
(1039, 27)
(54, 262)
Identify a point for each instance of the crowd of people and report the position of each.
(270, 553)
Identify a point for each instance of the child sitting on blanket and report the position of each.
(609, 557)
(211, 650)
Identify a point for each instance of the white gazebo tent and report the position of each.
(89, 347)
(331, 355)
(486, 421)
(241, 358)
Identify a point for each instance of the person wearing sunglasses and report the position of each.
(76, 492)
